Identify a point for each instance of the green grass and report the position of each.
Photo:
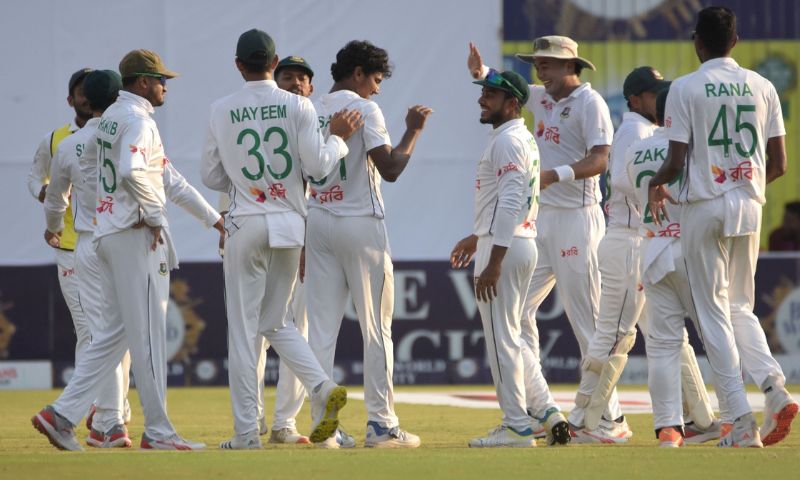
(203, 414)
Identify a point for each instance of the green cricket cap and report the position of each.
(255, 46)
(509, 81)
(144, 63)
(102, 86)
(643, 79)
(293, 61)
(77, 77)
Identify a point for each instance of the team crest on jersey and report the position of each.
(719, 174)
(162, 268)
(565, 113)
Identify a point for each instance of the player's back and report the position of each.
(354, 189)
(727, 113)
(257, 133)
(633, 128)
(126, 139)
(643, 159)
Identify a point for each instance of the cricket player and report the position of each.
(261, 141)
(503, 242)
(135, 250)
(726, 132)
(292, 74)
(573, 133)
(74, 169)
(38, 179)
(622, 297)
(348, 249)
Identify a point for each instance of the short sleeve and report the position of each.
(775, 126)
(375, 133)
(597, 126)
(677, 119)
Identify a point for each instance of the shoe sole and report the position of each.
(391, 444)
(560, 433)
(703, 437)
(119, 443)
(337, 399)
(44, 427)
(784, 420)
(584, 438)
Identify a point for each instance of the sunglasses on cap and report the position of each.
(541, 44)
(161, 78)
(494, 79)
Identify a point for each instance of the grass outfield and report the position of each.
(203, 414)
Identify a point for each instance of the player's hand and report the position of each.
(656, 199)
(416, 116)
(464, 251)
(474, 61)
(42, 193)
(486, 283)
(345, 123)
(547, 178)
(301, 270)
(52, 239)
(156, 231)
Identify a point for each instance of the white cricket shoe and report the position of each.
(601, 434)
(327, 399)
(288, 435)
(503, 436)
(175, 442)
(556, 427)
(779, 412)
(618, 428)
(248, 441)
(382, 437)
(57, 429)
(340, 439)
(744, 434)
(695, 434)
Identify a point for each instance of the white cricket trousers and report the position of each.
(716, 284)
(112, 393)
(501, 319)
(667, 304)
(135, 307)
(351, 255)
(289, 393)
(258, 287)
(567, 241)
(68, 281)
(621, 302)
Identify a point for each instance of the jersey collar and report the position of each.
(507, 126)
(136, 101)
(261, 84)
(718, 62)
(581, 88)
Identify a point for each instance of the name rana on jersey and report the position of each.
(107, 127)
(264, 112)
(728, 90)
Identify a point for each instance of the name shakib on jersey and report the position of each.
(728, 90)
(107, 126)
(264, 112)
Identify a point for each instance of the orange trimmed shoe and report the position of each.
(779, 412)
(670, 437)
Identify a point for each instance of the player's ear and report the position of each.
(310, 89)
(358, 73)
(70, 101)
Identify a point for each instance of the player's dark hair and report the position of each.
(518, 108)
(716, 27)
(793, 207)
(578, 68)
(128, 82)
(360, 53)
(254, 67)
(102, 105)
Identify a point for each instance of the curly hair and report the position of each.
(362, 54)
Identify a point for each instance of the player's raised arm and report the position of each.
(391, 162)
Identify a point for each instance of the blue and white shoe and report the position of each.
(382, 437)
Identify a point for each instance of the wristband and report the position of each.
(565, 173)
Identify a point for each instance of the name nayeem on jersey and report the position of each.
(264, 112)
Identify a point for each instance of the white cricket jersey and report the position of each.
(67, 176)
(726, 114)
(620, 205)
(354, 188)
(642, 161)
(40, 170)
(507, 185)
(565, 132)
(261, 142)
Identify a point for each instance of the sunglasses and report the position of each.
(541, 44)
(161, 78)
(496, 80)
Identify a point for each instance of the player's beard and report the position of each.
(493, 118)
(83, 112)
